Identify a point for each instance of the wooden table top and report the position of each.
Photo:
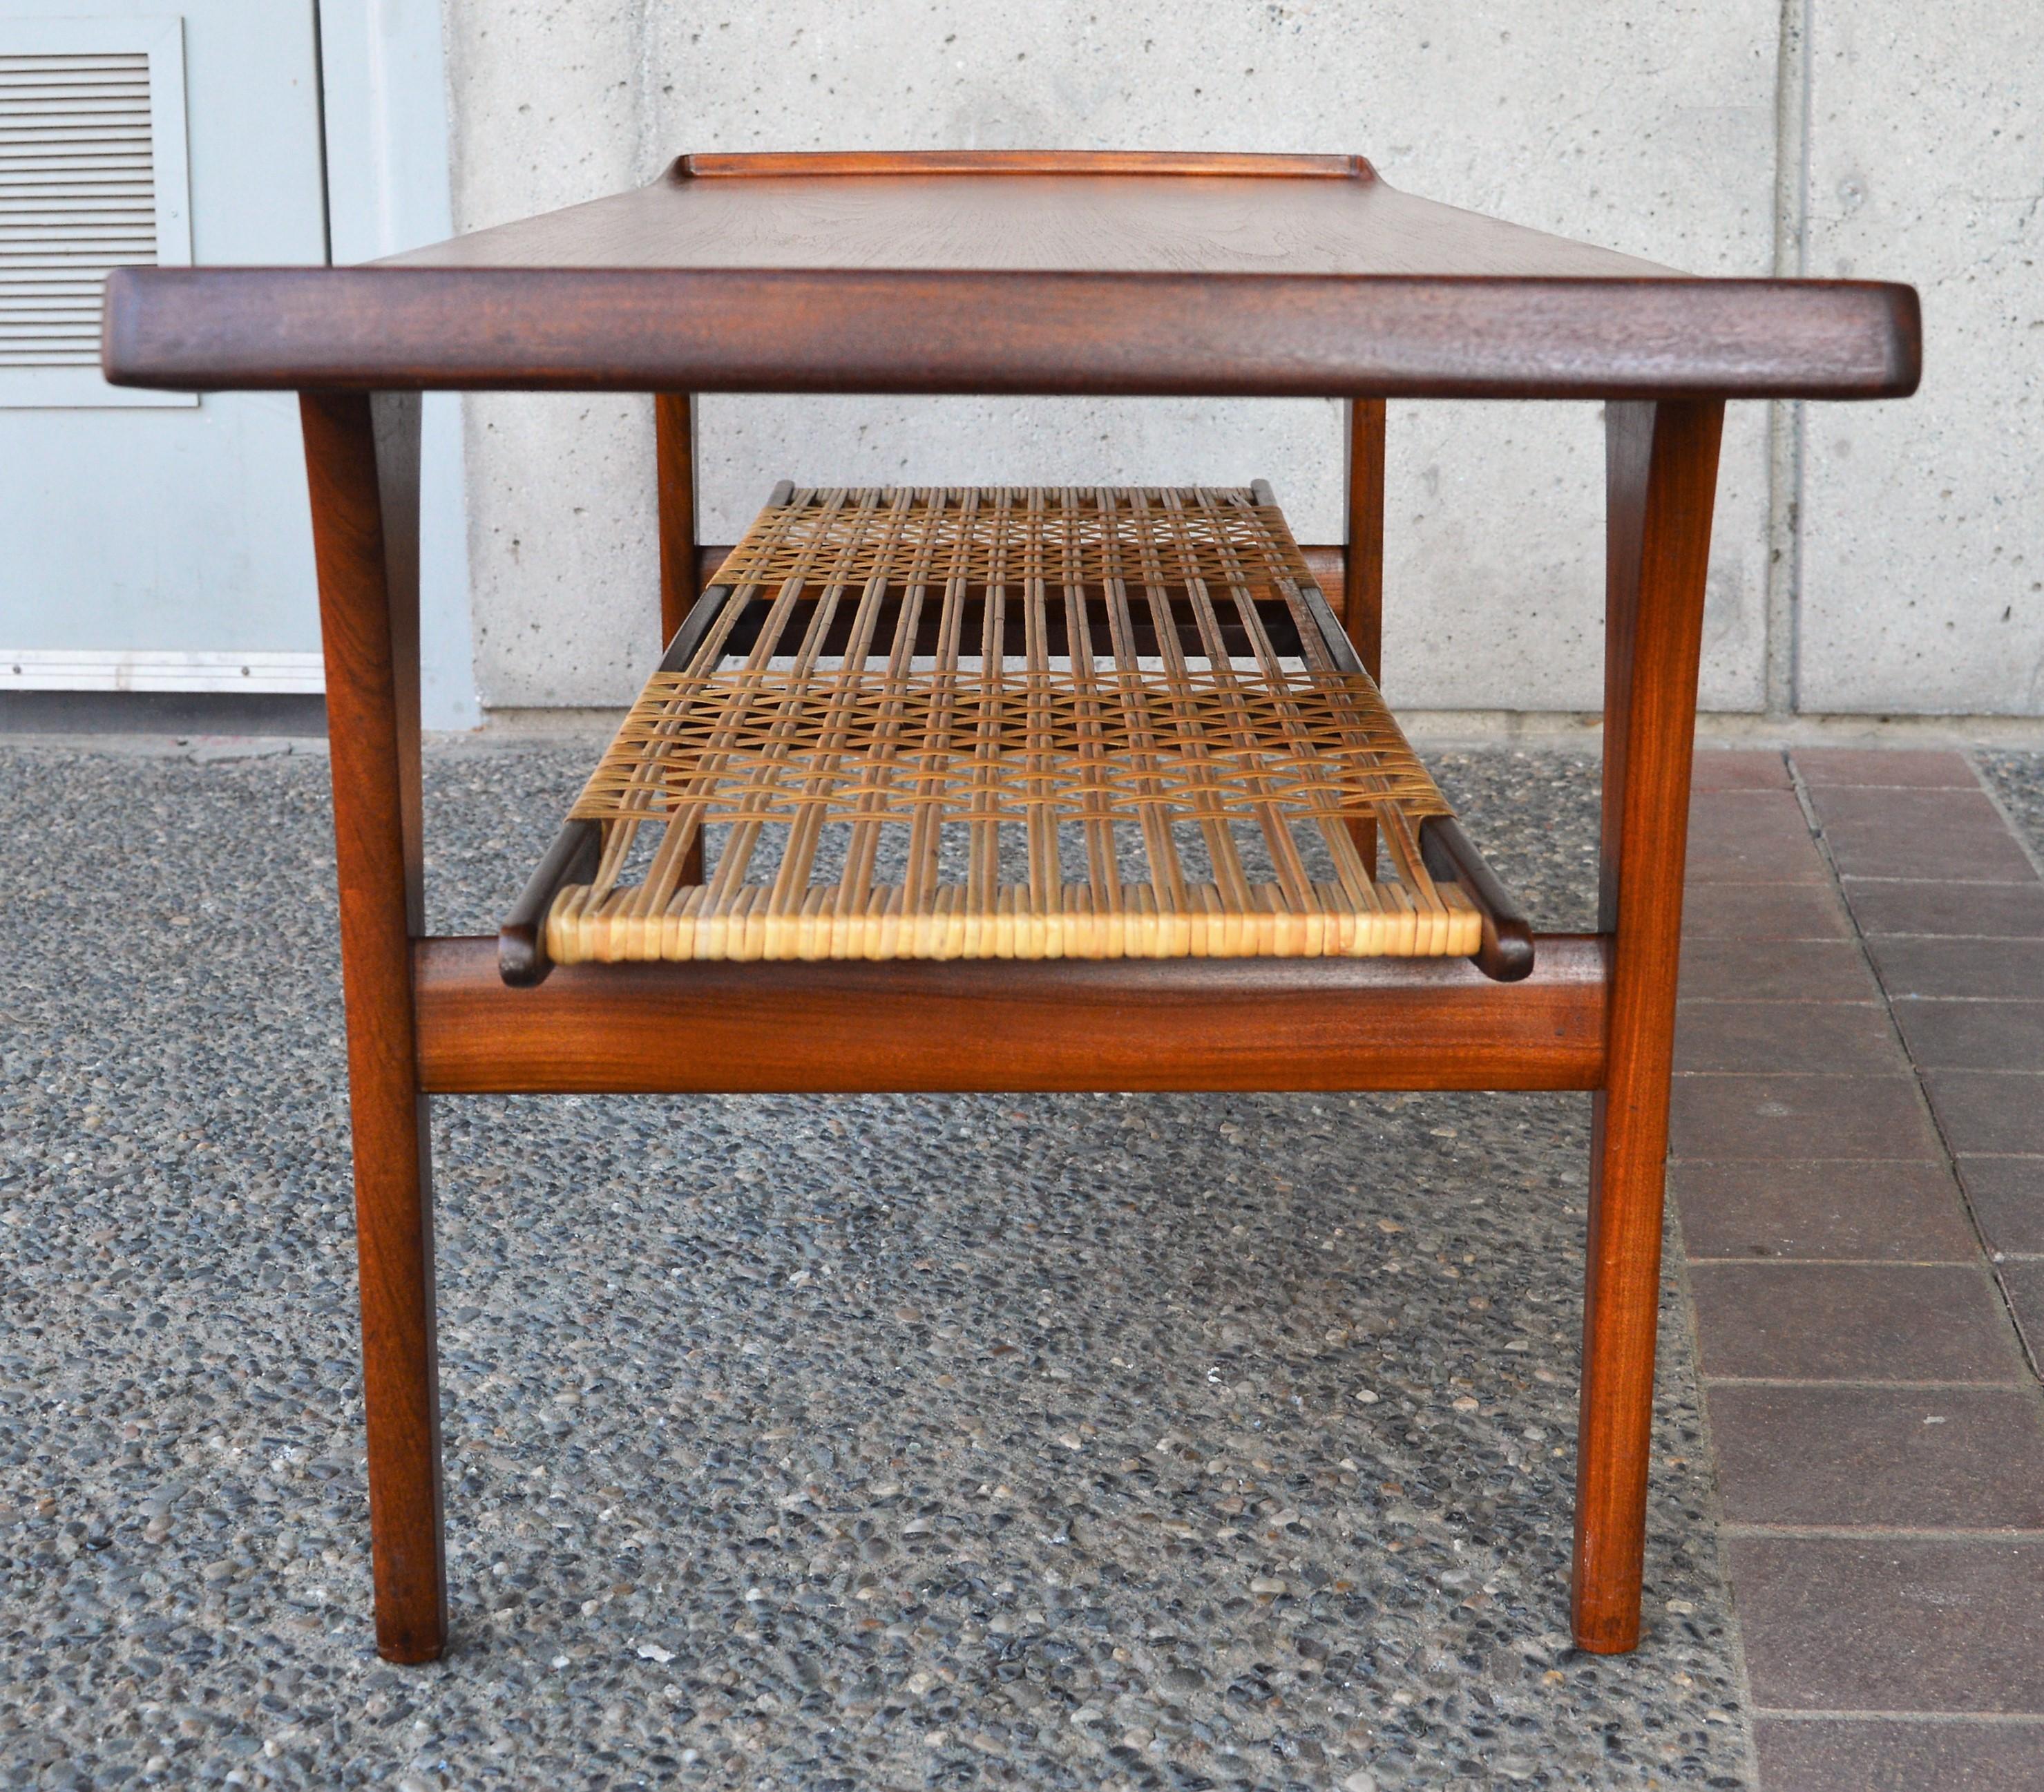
(1241, 215)
(1018, 272)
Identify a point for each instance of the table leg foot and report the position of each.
(1614, 1434)
(401, 1373)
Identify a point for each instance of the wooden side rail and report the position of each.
(992, 1024)
(521, 941)
(1508, 951)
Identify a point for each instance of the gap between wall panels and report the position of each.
(1785, 418)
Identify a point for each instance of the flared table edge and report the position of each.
(1023, 332)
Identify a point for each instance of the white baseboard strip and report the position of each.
(89, 669)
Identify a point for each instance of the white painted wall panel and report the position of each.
(182, 530)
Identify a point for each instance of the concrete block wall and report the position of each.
(1923, 521)
(1868, 560)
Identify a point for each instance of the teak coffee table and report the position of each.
(1011, 789)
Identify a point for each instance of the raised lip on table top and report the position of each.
(760, 164)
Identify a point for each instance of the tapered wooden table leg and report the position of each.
(674, 473)
(361, 461)
(1362, 594)
(1661, 484)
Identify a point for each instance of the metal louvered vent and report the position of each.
(87, 130)
(78, 198)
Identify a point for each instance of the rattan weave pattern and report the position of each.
(1005, 535)
(1261, 759)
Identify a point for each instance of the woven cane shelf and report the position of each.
(993, 722)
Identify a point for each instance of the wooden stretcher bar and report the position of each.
(715, 1027)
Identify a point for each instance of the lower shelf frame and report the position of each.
(957, 1026)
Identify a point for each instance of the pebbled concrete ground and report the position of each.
(2017, 779)
(1044, 1441)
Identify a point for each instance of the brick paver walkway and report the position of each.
(1858, 1166)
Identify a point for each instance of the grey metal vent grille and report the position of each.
(78, 198)
(92, 177)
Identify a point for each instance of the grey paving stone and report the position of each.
(1898, 1754)
(1907, 1211)
(1949, 1457)
(1941, 907)
(1902, 1624)
(1833, 1321)
(2007, 1195)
